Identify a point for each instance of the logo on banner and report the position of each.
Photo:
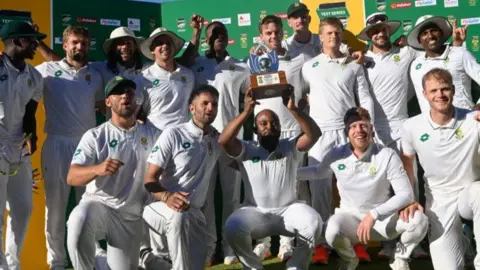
(181, 24)
(263, 14)
(66, 18)
(282, 16)
(204, 44)
(401, 5)
(231, 41)
(244, 19)
(425, 3)
(58, 40)
(475, 20)
(223, 20)
(472, 3)
(243, 41)
(475, 44)
(86, 20)
(450, 3)
(133, 24)
(256, 39)
(152, 23)
(110, 22)
(93, 44)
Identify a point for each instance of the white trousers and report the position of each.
(230, 182)
(183, 234)
(341, 232)
(16, 196)
(91, 221)
(297, 219)
(57, 153)
(447, 245)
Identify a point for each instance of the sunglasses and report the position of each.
(377, 18)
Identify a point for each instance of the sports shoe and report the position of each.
(362, 254)
(348, 265)
(399, 264)
(320, 255)
(419, 253)
(285, 253)
(229, 260)
(262, 251)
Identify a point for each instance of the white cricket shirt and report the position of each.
(230, 77)
(293, 71)
(364, 183)
(462, 65)
(311, 49)
(269, 178)
(123, 190)
(166, 95)
(336, 85)
(448, 154)
(69, 97)
(187, 158)
(17, 88)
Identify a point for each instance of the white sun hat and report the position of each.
(375, 20)
(117, 33)
(441, 22)
(178, 42)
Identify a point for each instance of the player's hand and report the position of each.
(365, 227)
(400, 41)
(459, 34)
(289, 99)
(178, 201)
(259, 52)
(407, 213)
(359, 57)
(108, 167)
(248, 102)
(196, 22)
(31, 144)
(477, 108)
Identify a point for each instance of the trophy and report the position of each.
(266, 80)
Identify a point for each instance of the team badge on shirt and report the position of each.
(315, 64)
(156, 82)
(184, 79)
(29, 82)
(341, 167)
(424, 137)
(396, 58)
(458, 134)
(88, 77)
(419, 66)
(155, 149)
(113, 143)
(186, 145)
(3, 77)
(143, 140)
(372, 170)
(58, 73)
(77, 152)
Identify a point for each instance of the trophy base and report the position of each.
(269, 85)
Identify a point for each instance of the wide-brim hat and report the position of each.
(376, 20)
(423, 21)
(177, 42)
(117, 33)
(16, 29)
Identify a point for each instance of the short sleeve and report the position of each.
(296, 154)
(162, 151)
(86, 152)
(37, 94)
(42, 68)
(245, 84)
(407, 141)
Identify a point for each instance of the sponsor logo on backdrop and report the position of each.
(425, 3)
(407, 26)
(223, 20)
(231, 41)
(110, 22)
(381, 5)
(152, 23)
(475, 44)
(66, 18)
(93, 43)
(133, 24)
(204, 45)
(58, 40)
(475, 20)
(86, 20)
(282, 16)
(181, 24)
(472, 3)
(256, 39)
(450, 3)
(451, 19)
(244, 19)
(243, 40)
(401, 5)
(263, 14)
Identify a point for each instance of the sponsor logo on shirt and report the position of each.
(58, 73)
(419, 66)
(401, 5)
(110, 22)
(77, 152)
(155, 149)
(341, 167)
(424, 137)
(186, 145)
(113, 143)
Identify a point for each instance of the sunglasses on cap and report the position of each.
(129, 91)
(377, 18)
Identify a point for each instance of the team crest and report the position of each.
(372, 170)
(143, 140)
(458, 133)
(184, 79)
(396, 58)
(29, 82)
(231, 68)
(88, 77)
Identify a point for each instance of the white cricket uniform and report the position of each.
(462, 65)
(17, 88)
(270, 205)
(187, 158)
(311, 49)
(336, 85)
(364, 186)
(112, 206)
(451, 184)
(69, 101)
(166, 95)
(231, 78)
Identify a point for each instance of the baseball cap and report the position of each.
(118, 81)
(295, 7)
(15, 29)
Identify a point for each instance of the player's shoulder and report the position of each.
(414, 121)
(98, 65)
(382, 150)
(311, 63)
(184, 70)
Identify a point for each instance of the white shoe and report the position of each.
(229, 260)
(101, 260)
(348, 265)
(400, 264)
(285, 252)
(262, 251)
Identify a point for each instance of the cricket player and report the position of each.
(231, 78)
(271, 33)
(70, 92)
(168, 84)
(451, 184)
(21, 88)
(268, 168)
(111, 161)
(365, 171)
(430, 34)
(336, 84)
(178, 177)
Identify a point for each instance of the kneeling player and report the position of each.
(111, 161)
(365, 171)
(268, 170)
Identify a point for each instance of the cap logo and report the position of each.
(297, 4)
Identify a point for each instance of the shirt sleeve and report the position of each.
(42, 68)
(37, 94)
(303, 71)
(472, 68)
(245, 84)
(407, 141)
(403, 192)
(363, 92)
(318, 171)
(162, 151)
(243, 154)
(86, 152)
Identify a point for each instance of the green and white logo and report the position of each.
(255, 159)
(341, 167)
(419, 66)
(186, 145)
(58, 73)
(372, 170)
(424, 137)
(156, 82)
(77, 152)
(315, 64)
(155, 149)
(113, 143)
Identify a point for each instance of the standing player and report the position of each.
(451, 186)
(111, 162)
(336, 84)
(71, 87)
(183, 158)
(268, 170)
(231, 78)
(430, 34)
(20, 90)
(168, 84)
(365, 171)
